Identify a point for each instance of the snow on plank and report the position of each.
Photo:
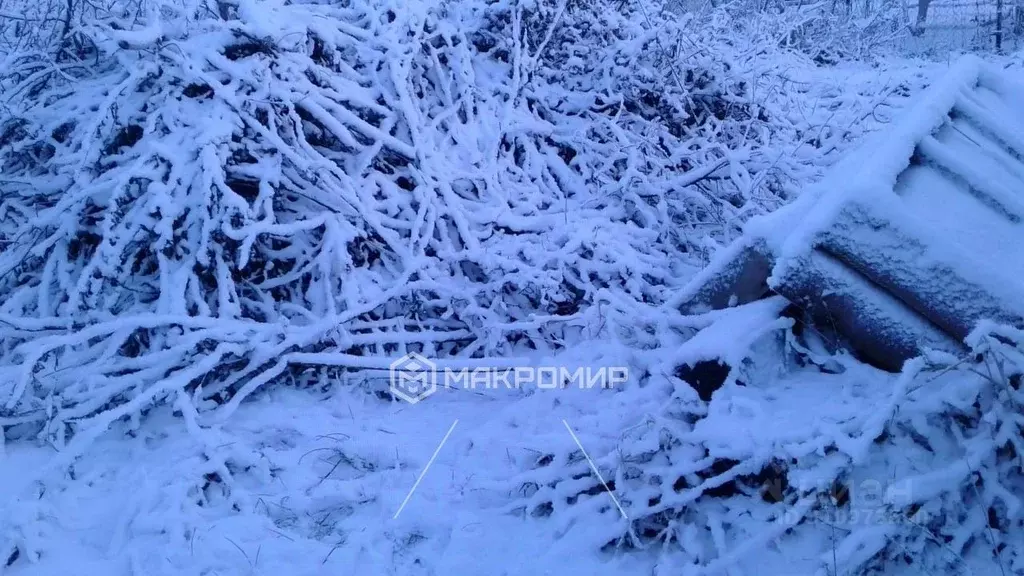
(909, 242)
(848, 308)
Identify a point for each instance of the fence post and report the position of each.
(999, 26)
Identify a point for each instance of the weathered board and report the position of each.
(909, 242)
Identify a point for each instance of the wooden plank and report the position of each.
(924, 276)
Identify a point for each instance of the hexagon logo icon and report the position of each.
(413, 378)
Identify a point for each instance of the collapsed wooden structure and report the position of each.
(908, 242)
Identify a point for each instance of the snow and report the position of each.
(872, 168)
(289, 505)
(220, 225)
(731, 333)
(928, 210)
(875, 166)
(907, 255)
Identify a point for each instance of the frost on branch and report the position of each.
(222, 196)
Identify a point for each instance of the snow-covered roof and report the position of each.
(911, 240)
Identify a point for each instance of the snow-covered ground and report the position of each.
(316, 482)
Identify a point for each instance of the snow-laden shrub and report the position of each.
(856, 30)
(48, 27)
(214, 197)
(828, 31)
(849, 473)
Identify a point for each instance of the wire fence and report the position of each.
(964, 25)
(936, 27)
(912, 27)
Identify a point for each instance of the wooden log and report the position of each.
(883, 330)
(736, 276)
